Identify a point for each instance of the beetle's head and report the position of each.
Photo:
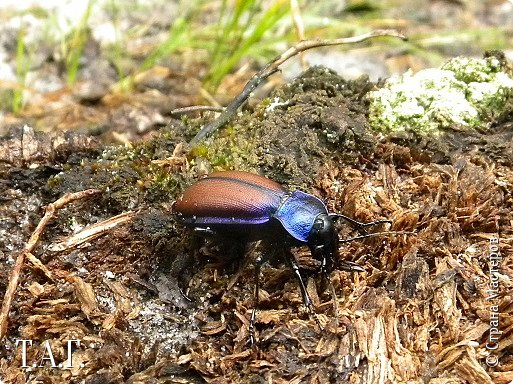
(323, 241)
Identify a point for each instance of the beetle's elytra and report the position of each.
(250, 207)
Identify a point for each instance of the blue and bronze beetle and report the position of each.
(249, 207)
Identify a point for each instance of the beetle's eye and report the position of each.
(318, 224)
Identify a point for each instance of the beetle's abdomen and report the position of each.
(230, 197)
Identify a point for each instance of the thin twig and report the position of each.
(29, 247)
(196, 108)
(273, 67)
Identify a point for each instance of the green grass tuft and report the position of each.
(21, 72)
(177, 37)
(76, 44)
(243, 28)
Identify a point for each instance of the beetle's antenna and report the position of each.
(360, 226)
(374, 235)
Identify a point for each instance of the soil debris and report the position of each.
(420, 313)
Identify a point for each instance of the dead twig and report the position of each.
(273, 67)
(92, 232)
(195, 108)
(29, 247)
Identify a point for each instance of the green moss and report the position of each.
(470, 70)
(127, 175)
(160, 184)
(232, 150)
(200, 150)
(464, 92)
(283, 137)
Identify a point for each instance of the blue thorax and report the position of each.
(298, 212)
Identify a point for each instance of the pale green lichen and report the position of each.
(464, 92)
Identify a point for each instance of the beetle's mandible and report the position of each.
(250, 207)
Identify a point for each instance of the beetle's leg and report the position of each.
(258, 264)
(326, 277)
(245, 258)
(204, 232)
(350, 266)
(306, 297)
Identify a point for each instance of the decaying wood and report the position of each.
(51, 209)
(419, 313)
(91, 232)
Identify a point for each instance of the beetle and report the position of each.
(249, 207)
